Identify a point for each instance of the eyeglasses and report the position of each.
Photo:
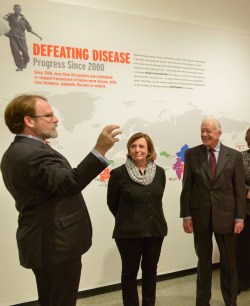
(45, 116)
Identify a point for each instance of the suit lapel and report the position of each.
(48, 148)
(222, 161)
(203, 159)
(40, 144)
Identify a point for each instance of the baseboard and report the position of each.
(116, 287)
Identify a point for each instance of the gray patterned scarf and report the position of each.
(136, 176)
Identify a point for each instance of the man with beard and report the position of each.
(54, 227)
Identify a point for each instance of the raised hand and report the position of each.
(107, 139)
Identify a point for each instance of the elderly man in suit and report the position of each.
(54, 227)
(213, 201)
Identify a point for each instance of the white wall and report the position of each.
(215, 31)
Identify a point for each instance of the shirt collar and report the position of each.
(32, 137)
(217, 148)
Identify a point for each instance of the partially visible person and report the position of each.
(54, 227)
(135, 192)
(243, 243)
(213, 202)
(18, 24)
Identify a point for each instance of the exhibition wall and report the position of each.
(151, 74)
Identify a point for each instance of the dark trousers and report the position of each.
(133, 251)
(228, 272)
(19, 51)
(57, 285)
(243, 256)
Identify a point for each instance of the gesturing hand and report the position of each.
(107, 139)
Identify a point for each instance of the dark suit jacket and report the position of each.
(223, 198)
(137, 208)
(53, 225)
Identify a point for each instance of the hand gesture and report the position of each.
(107, 139)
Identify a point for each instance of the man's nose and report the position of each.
(55, 119)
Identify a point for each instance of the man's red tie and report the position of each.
(212, 163)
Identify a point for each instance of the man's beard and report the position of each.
(47, 134)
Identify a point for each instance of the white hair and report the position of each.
(216, 122)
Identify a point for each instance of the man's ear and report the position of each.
(29, 121)
(220, 132)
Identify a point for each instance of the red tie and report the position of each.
(212, 163)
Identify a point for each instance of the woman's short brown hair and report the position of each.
(151, 149)
(247, 138)
(17, 109)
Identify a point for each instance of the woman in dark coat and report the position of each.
(243, 245)
(135, 194)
